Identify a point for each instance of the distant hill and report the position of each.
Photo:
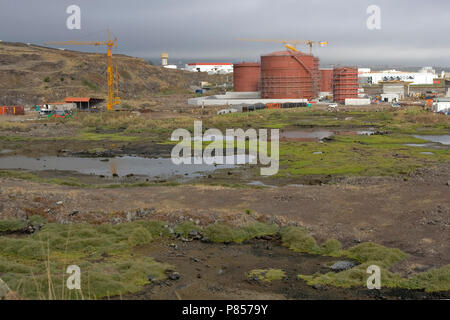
(31, 74)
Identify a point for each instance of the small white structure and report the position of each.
(60, 106)
(364, 70)
(210, 67)
(357, 102)
(442, 105)
(170, 66)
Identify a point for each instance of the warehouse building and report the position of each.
(424, 76)
(211, 68)
(442, 105)
(83, 103)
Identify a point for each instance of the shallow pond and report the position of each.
(121, 166)
(314, 135)
(442, 139)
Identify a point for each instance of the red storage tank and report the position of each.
(246, 76)
(326, 80)
(345, 83)
(289, 75)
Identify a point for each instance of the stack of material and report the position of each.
(12, 110)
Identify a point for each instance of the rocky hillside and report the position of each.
(31, 74)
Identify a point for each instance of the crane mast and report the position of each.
(112, 99)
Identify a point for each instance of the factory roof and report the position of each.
(210, 64)
(81, 99)
(78, 99)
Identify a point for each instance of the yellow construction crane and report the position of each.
(112, 100)
(290, 44)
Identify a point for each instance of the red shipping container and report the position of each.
(12, 110)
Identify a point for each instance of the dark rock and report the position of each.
(174, 276)
(342, 266)
(318, 286)
(206, 240)
(193, 233)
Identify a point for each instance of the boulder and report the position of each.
(342, 266)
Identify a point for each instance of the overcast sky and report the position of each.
(413, 32)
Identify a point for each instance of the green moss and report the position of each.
(297, 239)
(185, 228)
(266, 275)
(36, 219)
(436, 279)
(224, 233)
(355, 277)
(433, 280)
(140, 236)
(369, 251)
(12, 225)
(375, 155)
(331, 247)
(104, 254)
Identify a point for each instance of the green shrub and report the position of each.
(140, 236)
(266, 275)
(12, 225)
(331, 247)
(223, 233)
(297, 239)
(186, 227)
(369, 251)
(36, 219)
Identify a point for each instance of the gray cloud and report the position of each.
(413, 32)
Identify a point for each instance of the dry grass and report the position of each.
(13, 126)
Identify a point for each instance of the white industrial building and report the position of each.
(442, 105)
(425, 76)
(210, 67)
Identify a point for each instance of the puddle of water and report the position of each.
(209, 138)
(426, 152)
(317, 135)
(122, 166)
(260, 184)
(305, 135)
(442, 139)
(417, 144)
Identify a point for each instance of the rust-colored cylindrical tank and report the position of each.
(246, 76)
(345, 83)
(326, 80)
(289, 75)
